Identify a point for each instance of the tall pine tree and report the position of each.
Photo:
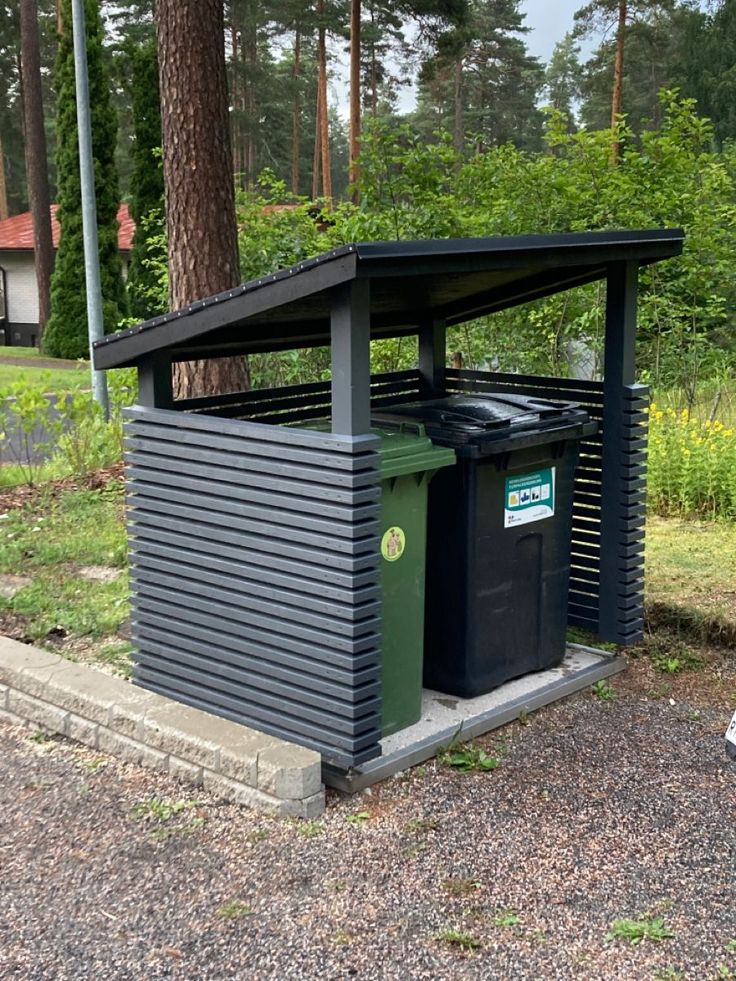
(66, 333)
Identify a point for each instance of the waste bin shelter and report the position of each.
(254, 545)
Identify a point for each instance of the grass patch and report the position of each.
(635, 931)
(309, 829)
(26, 353)
(506, 918)
(161, 810)
(117, 655)
(458, 938)
(48, 542)
(692, 563)
(43, 379)
(357, 819)
(235, 909)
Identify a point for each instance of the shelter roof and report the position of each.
(410, 282)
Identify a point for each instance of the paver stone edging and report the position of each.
(107, 713)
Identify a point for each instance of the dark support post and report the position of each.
(154, 381)
(432, 354)
(351, 359)
(621, 544)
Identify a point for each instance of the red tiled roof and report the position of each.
(16, 233)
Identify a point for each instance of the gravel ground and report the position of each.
(597, 811)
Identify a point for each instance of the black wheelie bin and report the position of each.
(498, 536)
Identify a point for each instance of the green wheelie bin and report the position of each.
(409, 460)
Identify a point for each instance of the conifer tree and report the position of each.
(66, 333)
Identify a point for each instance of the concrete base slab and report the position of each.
(445, 718)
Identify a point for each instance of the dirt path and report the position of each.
(599, 810)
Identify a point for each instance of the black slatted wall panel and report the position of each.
(301, 402)
(255, 575)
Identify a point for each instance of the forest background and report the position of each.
(497, 143)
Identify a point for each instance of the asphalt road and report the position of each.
(17, 446)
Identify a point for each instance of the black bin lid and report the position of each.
(481, 421)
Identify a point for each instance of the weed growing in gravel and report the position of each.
(675, 663)
(259, 835)
(645, 928)
(39, 736)
(342, 937)
(158, 809)
(458, 938)
(467, 758)
(167, 831)
(360, 818)
(461, 887)
(668, 974)
(603, 691)
(235, 909)
(724, 971)
(309, 829)
(661, 691)
(419, 825)
(506, 918)
(93, 766)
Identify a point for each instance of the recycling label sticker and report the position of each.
(393, 544)
(529, 497)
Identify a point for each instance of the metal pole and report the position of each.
(95, 323)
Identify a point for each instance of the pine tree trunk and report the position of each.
(324, 125)
(374, 72)
(316, 156)
(200, 200)
(459, 125)
(36, 159)
(251, 105)
(354, 96)
(3, 185)
(618, 77)
(296, 116)
(234, 92)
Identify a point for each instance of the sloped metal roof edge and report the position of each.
(126, 346)
(249, 287)
(122, 339)
(561, 241)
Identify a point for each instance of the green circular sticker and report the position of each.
(393, 544)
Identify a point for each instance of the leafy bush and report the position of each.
(68, 427)
(413, 188)
(692, 465)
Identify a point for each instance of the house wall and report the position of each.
(22, 294)
(21, 299)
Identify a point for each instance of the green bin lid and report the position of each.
(408, 449)
(405, 448)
